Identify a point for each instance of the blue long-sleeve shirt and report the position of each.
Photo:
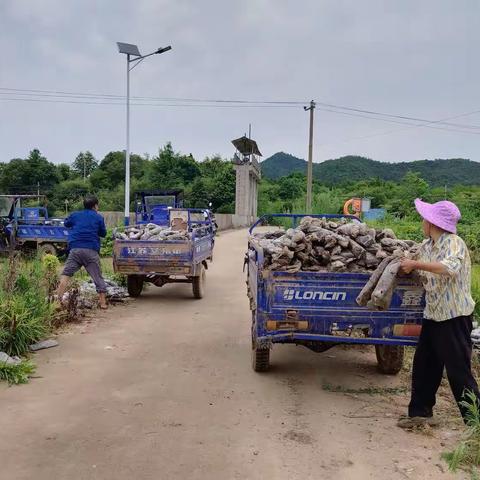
(85, 229)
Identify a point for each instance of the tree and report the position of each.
(64, 172)
(411, 187)
(170, 169)
(291, 187)
(111, 171)
(84, 164)
(29, 174)
(198, 196)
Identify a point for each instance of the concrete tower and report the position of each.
(248, 175)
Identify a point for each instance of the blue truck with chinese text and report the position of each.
(180, 260)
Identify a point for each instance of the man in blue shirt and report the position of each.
(85, 229)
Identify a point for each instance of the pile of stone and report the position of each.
(320, 244)
(85, 295)
(151, 232)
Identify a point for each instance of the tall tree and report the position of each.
(111, 171)
(173, 170)
(84, 164)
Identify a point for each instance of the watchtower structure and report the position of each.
(248, 175)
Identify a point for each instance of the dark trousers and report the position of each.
(442, 345)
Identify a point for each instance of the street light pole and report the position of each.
(311, 108)
(132, 51)
(127, 150)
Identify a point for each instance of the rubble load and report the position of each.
(319, 244)
(151, 232)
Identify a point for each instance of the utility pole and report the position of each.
(38, 193)
(311, 108)
(84, 168)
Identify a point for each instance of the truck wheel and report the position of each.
(134, 285)
(198, 284)
(46, 248)
(260, 356)
(390, 358)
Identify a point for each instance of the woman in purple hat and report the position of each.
(445, 342)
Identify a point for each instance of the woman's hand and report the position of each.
(408, 265)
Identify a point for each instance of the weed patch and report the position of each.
(466, 455)
(16, 374)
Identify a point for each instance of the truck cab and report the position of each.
(154, 206)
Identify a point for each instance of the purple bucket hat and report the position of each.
(444, 214)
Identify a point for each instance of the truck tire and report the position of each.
(134, 285)
(390, 358)
(198, 283)
(260, 355)
(46, 248)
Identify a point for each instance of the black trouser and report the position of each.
(442, 345)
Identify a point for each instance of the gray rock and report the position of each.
(4, 358)
(43, 344)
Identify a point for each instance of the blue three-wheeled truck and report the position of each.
(158, 262)
(29, 229)
(318, 310)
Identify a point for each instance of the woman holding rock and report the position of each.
(445, 342)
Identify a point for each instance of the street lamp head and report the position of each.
(128, 49)
(164, 49)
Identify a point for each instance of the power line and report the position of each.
(146, 104)
(402, 117)
(53, 93)
(110, 99)
(398, 122)
(388, 132)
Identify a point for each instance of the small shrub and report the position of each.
(16, 374)
(106, 250)
(51, 265)
(119, 279)
(467, 454)
(22, 323)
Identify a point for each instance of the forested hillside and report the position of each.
(453, 171)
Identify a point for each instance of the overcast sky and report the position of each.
(406, 57)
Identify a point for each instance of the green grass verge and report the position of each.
(16, 374)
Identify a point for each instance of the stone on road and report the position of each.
(162, 388)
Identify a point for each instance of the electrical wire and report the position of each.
(52, 96)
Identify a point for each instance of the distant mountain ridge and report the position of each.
(452, 171)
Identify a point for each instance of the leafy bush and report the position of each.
(16, 374)
(51, 265)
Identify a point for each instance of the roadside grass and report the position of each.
(16, 374)
(26, 311)
(466, 455)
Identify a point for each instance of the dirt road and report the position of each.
(162, 389)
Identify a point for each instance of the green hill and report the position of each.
(452, 171)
